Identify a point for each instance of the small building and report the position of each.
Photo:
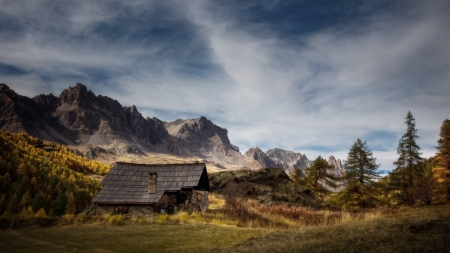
(143, 189)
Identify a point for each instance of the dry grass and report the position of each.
(381, 230)
(378, 231)
(216, 201)
(127, 238)
(250, 213)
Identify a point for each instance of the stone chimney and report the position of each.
(151, 183)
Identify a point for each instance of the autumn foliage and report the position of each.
(39, 178)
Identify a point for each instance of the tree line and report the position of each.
(414, 179)
(39, 178)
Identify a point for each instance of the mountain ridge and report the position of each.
(97, 124)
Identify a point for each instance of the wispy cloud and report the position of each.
(297, 76)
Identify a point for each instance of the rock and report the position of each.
(200, 137)
(256, 154)
(288, 160)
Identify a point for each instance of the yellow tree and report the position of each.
(443, 154)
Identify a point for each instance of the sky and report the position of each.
(308, 76)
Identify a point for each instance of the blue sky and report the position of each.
(308, 76)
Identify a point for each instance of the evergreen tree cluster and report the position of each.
(413, 180)
(44, 178)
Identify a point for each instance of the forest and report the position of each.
(40, 178)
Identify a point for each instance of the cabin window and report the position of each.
(121, 209)
(199, 197)
(152, 183)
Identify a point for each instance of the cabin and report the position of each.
(142, 189)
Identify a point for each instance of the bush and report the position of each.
(116, 220)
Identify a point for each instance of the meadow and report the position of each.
(418, 229)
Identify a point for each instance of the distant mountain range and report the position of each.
(99, 124)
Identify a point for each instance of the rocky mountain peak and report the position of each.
(78, 95)
(338, 170)
(4, 88)
(288, 160)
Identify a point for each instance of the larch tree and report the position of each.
(361, 189)
(320, 178)
(443, 154)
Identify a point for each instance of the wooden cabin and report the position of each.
(143, 189)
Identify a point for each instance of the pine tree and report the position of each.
(407, 164)
(443, 154)
(361, 189)
(319, 177)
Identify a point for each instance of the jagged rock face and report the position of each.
(288, 160)
(202, 138)
(22, 114)
(257, 159)
(338, 171)
(78, 117)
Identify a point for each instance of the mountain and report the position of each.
(201, 138)
(97, 125)
(257, 159)
(338, 170)
(288, 160)
(78, 117)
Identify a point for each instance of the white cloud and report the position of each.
(314, 95)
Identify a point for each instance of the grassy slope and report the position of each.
(385, 234)
(128, 238)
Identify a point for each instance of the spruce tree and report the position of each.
(407, 164)
(361, 189)
(443, 154)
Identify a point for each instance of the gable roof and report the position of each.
(127, 183)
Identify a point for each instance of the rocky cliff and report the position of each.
(200, 137)
(288, 160)
(338, 171)
(257, 159)
(79, 117)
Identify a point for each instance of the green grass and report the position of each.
(388, 232)
(126, 238)
(383, 234)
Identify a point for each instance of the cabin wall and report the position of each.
(199, 199)
(132, 209)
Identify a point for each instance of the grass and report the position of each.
(379, 233)
(260, 228)
(128, 238)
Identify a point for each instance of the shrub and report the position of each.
(116, 220)
(40, 213)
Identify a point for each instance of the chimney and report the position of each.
(151, 183)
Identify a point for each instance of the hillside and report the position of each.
(44, 177)
(267, 186)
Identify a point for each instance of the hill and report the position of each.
(44, 177)
(267, 186)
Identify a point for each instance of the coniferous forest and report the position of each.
(39, 178)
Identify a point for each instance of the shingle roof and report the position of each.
(127, 183)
